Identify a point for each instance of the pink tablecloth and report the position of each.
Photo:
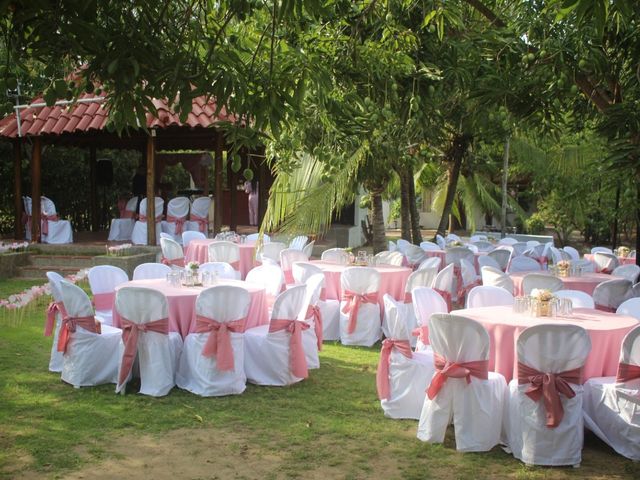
(182, 302)
(585, 283)
(621, 260)
(198, 251)
(605, 329)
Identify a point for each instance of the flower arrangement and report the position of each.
(542, 299)
(456, 243)
(118, 250)
(13, 247)
(563, 267)
(193, 266)
(542, 294)
(623, 252)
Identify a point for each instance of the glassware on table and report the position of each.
(565, 307)
(173, 278)
(521, 304)
(361, 259)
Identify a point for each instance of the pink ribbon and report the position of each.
(179, 262)
(104, 301)
(352, 306)
(605, 308)
(143, 218)
(235, 265)
(45, 219)
(26, 218)
(549, 386)
(218, 343)
(69, 325)
(446, 370)
(52, 309)
(297, 360)
(288, 277)
(130, 333)
(121, 207)
(464, 289)
(627, 372)
(314, 311)
(127, 214)
(408, 298)
(447, 297)
(382, 374)
(422, 332)
(202, 222)
(179, 221)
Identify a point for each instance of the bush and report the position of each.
(535, 225)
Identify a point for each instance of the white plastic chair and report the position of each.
(91, 355)
(288, 257)
(573, 253)
(122, 228)
(199, 215)
(523, 264)
(270, 252)
(476, 402)
(205, 368)
(53, 230)
(430, 263)
(150, 271)
(502, 256)
(55, 312)
(189, 235)
(103, 280)
(630, 307)
(139, 234)
(443, 284)
(630, 272)
(223, 251)
(177, 216)
(611, 405)
(488, 296)
(541, 281)
(428, 246)
(222, 270)
(156, 349)
(389, 258)
(595, 250)
(579, 299)
(497, 278)
(298, 243)
(402, 375)
(336, 255)
(609, 295)
(172, 252)
(268, 276)
(360, 320)
(535, 436)
(426, 301)
(254, 237)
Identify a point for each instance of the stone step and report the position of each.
(75, 261)
(29, 271)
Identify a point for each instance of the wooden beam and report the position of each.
(36, 188)
(18, 205)
(217, 215)
(151, 194)
(93, 190)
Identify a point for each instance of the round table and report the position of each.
(198, 251)
(585, 282)
(504, 326)
(182, 303)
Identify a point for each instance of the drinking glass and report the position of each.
(206, 278)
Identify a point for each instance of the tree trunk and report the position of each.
(377, 222)
(614, 234)
(505, 178)
(416, 234)
(637, 217)
(405, 214)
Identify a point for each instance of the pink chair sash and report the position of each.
(69, 325)
(52, 309)
(422, 332)
(314, 311)
(446, 370)
(45, 219)
(179, 221)
(447, 297)
(382, 374)
(297, 360)
(542, 261)
(605, 308)
(408, 298)
(352, 305)
(143, 218)
(218, 343)
(201, 221)
(104, 301)
(26, 218)
(288, 277)
(179, 262)
(464, 289)
(235, 265)
(127, 214)
(549, 386)
(627, 372)
(130, 334)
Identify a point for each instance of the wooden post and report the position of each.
(36, 190)
(17, 190)
(93, 190)
(205, 180)
(263, 192)
(233, 197)
(151, 193)
(217, 215)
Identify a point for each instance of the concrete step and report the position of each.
(29, 271)
(79, 261)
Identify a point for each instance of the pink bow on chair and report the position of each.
(352, 306)
(52, 309)
(446, 296)
(314, 312)
(382, 374)
(143, 218)
(202, 222)
(297, 360)
(45, 222)
(179, 221)
(69, 325)
(627, 372)
(446, 370)
(422, 332)
(178, 262)
(218, 343)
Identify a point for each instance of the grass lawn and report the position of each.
(329, 426)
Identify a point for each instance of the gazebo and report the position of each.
(83, 122)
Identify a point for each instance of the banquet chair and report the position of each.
(452, 237)
(336, 255)
(507, 241)
(223, 251)
(488, 296)
(53, 230)
(630, 307)
(518, 249)
(308, 249)
(274, 353)
(538, 253)
(630, 272)
(540, 281)
(222, 270)
(595, 250)
(487, 261)
(139, 234)
(212, 359)
(483, 245)
(189, 235)
(147, 341)
(90, 349)
(462, 387)
(472, 247)
(469, 279)
(177, 215)
(268, 276)
(27, 205)
(172, 252)
(288, 257)
(151, 271)
(54, 313)
(454, 254)
(558, 255)
(586, 266)
(610, 294)
(426, 301)
(270, 252)
(544, 423)
(402, 245)
(419, 278)
(443, 284)
(579, 299)
(312, 337)
(199, 215)
(360, 320)
(502, 256)
(389, 258)
(166, 235)
(122, 228)
(611, 405)
(429, 263)
(391, 246)
(329, 308)
(532, 243)
(103, 280)
(298, 243)
(414, 255)
(573, 253)
(402, 375)
(478, 238)
(254, 237)
(441, 241)
(497, 278)
(523, 264)
(428, 246)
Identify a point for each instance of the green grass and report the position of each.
(332, 421)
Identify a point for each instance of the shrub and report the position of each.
(535, 225)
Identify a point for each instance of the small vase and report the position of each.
(544, 308)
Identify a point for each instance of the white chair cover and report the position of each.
(122, 228)
(172, 252)
(414, 255)
(507, 241)
(198, 370)
(419, 278)
(177, 216)
(452, 237)
(455, 254)
(430, 263)
(483, 245)
(579, 299)
(59, 230)
(478, 238)
(630, 307)
(610, 294)
(268, 276)
(550, 349)
(199, 216)
(288, 257)
(311, 343)
(254, 237)
(389, 258)
(475, 404)
(440, 241)
(469, 278)
(91, 358)
(150, 271)
(443, 284)
(595, 250)
(426, 301)
(268, 355)
(222, 270)
(139, 234)
(270, 252)
(103, 280)
(532, 243)
(519, 248)
(223, 251)
(336, 255)
(497, 278)
(630, 272)
(605, 262)
(356, 283)
(472, 247)
(308, 249)
(408, 372)
(573, 253)
(558, 255)
(488, 296)
(189, 235)
(392, 246)
(502, 256)
(27, 204)
(55, 359)
(487, 261)
(428, 246)
(611, 405)
(298, 243)
(402, 245)
(540, 280)
(523, 264)
(586, 266)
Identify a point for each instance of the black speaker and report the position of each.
(104, 173)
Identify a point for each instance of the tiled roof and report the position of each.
(86, 116)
